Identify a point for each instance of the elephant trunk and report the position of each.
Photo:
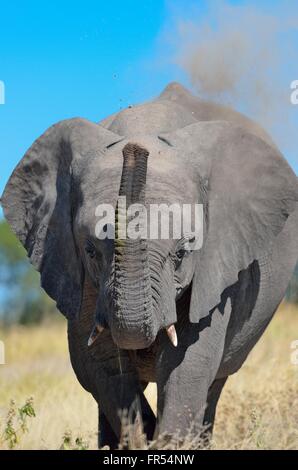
(132, 324)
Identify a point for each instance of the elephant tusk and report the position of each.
(171, 332)
(97, 330)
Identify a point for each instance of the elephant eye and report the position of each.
(90, 250)
(178, 257)
(180, 253)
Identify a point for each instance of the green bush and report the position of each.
(21, 297)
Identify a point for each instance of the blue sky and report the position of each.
(62, 59)
(68, 59)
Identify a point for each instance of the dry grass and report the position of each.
(258, 408)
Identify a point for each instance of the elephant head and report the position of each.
(246, 187)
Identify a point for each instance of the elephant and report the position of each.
(152, 310)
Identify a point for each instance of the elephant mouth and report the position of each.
(98, 329)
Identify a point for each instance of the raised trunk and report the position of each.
(132, 322)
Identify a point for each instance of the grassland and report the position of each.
(258, 408)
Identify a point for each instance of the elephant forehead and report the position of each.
(162, 199)
(151, 118)
(108, 163)
(167, 180)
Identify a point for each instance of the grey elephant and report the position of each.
(156, 310)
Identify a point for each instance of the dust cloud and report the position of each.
(241, 56)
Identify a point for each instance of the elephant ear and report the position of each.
(251, 191)
(38, 204)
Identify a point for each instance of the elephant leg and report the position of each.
(148, 417)
(106, 435)
(127, 417)
(186, 373)
(110, 376)
(143, 385)
(214, 393)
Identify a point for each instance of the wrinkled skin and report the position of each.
(175, 149)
